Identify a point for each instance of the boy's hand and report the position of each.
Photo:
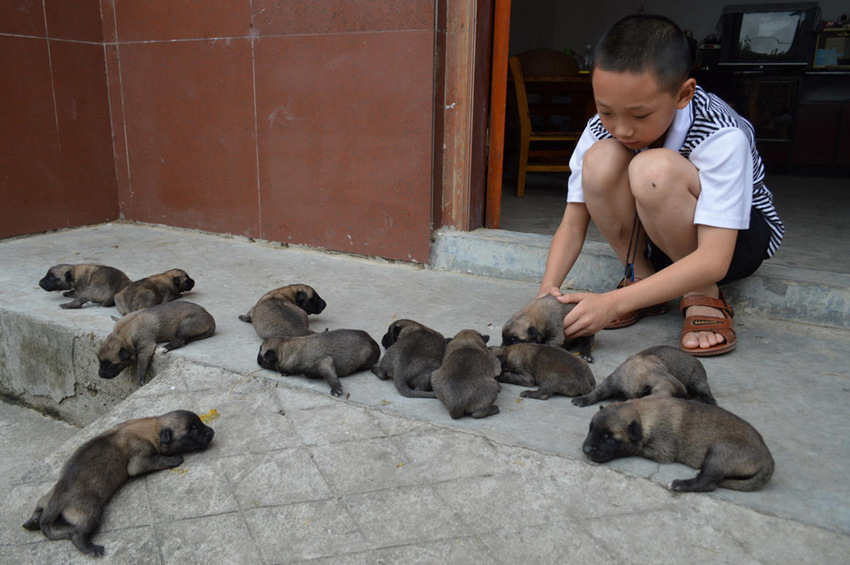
(591, 314)
(546, 290)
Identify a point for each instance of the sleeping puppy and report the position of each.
(661, 370)
(328, 355)
(97, 469)
(413, 352)
(283, 311)
(466, 380)
(135, 336)
(85, 282)
(542, 321)
(554, 369)
(153, 290)
(728, 451)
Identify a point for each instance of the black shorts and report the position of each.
(750, 250)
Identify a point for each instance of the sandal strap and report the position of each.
(698, 300)
(722, 326)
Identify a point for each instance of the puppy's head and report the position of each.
(395, 331)
(615, 431)
(181, 280)
(114, 355)
(58, 277)
(306, 298)
(267, 357)
(181, 431)
(521, 329)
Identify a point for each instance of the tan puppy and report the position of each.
(153, 290)
(328, 355)
(542, 321)
(97, 469)
(728, 451)
(85, 282)
(661, 370)
(135, 336)
(413, 352)
(555, 370)
(283, 311)
(466, 380)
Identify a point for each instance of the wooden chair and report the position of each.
(546, 70)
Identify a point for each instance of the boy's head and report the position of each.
(644, 43)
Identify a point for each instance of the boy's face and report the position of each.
(633, 108)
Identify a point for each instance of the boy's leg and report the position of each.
(666, 187)
(610, 202)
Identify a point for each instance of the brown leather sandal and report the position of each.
(723, 326)
(631, 318)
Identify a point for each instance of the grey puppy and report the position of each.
(135, 336)
(554, 369)
(414, 351)
(283, 311)
(152, 290)
(86, 282)
(728, 451)
(328, 355)
(97, 469)
(466, 380)
(542, 321)
(660, 369)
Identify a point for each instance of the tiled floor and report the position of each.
(816, 212)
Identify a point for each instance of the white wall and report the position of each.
(560, 24)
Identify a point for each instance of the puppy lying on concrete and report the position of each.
(466, 380)
(554, 369)
(85, 282)
(656, 370)
(728, 451)
(328, 355)
(97, 469)
(135, 336)
(413, 352)
(283, 311)
(153, 290)
(542, 321)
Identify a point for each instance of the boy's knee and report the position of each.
(605, 162)
(655, 173)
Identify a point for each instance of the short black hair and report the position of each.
(646, 43)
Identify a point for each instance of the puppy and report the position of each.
(542, 321)
(283, 311)
(553, 369)
(97, 469)
(328, 355)
(466, 380)
(413, 352)
(85, 283)
(728, 451)
(152, 290)
(135, 336)
(657, 370)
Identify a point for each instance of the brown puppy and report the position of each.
(152, 290)
(85, 282)
(554, 369)
(283, 311)
(656, 370)
(728, 451)
(97, 469)
(328, 355)
(135, 336)
(413, 352)
(542, 321)
(466, 380)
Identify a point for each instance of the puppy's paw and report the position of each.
(581, 401)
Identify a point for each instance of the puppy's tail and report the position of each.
(754, 482)
(404, 389)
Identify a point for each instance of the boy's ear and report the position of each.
(686, 92)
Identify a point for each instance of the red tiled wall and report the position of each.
(307, 122)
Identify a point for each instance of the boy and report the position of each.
(671, 177)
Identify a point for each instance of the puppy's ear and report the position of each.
(166, 436)
(634, 431)
(396, 331)
(448, 339)
(532, 332)
(69, 275)
(486, 338)
(124, 354)
(176, 282)
(300, 297)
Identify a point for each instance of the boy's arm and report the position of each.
(565, 247)
(706, 265)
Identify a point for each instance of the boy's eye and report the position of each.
(641, 117)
